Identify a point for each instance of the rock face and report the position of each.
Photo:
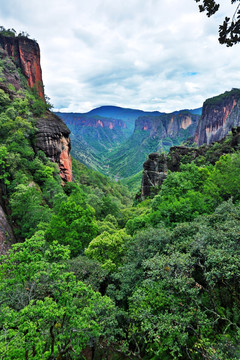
(220, 114)
(53, 138)
(26, 55)
(6, 234)
(157, 166)
(77, 120)
(154, 173)
(53, 134)
(168, 125)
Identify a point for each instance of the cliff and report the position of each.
(168, 125)
(26, 55)
(219, 115)
(77, 120)
(52, 134)
(53, 138)
(156, 167)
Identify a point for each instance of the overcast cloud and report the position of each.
(148, 54)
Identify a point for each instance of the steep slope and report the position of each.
(26, 127)
(151, 133)
(26, 55)
(219, 115)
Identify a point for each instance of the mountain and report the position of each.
(21, 71)
(219, 115)
(128, 115)
(151, 133)
(93, 135)
(116, 140)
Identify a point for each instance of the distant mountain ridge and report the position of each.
(152, 134)
(126, 114)
(113, 140)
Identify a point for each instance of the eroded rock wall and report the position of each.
(53, 138)
(167, 125)
(26, 55)
(220, 114)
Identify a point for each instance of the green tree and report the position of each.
(73, 225)
(229, 31)
(45, 313)
(108, 249)
(28, 209)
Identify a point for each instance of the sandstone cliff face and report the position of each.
(76, 120)
(219, 115)
(155, 169)
(53, 138)
(53, 134)
(154, 173)
(168, 125)
(26, 55)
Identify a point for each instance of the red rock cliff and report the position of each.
(53, 138)
(26, 54)
(220, 114)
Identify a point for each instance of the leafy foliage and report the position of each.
(46, 312)
(229, 31)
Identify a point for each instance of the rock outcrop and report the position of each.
(157, 166)
(26, 55)
(53, 135)
(220, 114)
(53, 138)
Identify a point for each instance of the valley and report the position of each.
(116, 141)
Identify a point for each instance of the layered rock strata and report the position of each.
(220, 114)
(26, 55)
(53, 138)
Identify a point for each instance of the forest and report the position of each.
(96, 273)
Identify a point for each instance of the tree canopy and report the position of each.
(229, 31)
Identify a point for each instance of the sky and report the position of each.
(144, 54)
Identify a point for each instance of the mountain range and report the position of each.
(116, 140)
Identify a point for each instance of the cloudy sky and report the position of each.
(147, 54)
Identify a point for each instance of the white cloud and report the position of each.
(153, 55)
